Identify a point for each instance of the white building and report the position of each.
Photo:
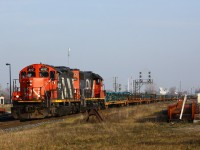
(2, 100)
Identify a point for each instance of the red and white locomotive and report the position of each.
(55, 91)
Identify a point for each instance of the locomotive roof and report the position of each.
(58, 68)
(67, 69)
(97, 76)
(93, 75)
(62, 68)
(36, 65)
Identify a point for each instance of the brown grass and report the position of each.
(137, 127)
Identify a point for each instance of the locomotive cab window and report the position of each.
(23, 74)
(44, 74)
(97, 81)
(31, 74)
(52, 75)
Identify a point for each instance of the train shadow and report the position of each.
(158, 117)
(6, 118)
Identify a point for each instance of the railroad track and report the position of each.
(7, 123)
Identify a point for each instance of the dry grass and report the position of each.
(125, 128)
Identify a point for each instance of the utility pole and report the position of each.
(68, 55)
(115, 83)
(8, 64)
(132, 82)
(128, 89)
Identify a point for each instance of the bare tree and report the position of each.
(197, 90)
(150, 89)
(4, 92)
(172, 90)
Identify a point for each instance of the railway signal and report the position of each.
(138, 83)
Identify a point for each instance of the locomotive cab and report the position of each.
(35, 82)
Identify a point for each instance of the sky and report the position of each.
(114, 38)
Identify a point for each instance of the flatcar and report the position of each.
(46, 90)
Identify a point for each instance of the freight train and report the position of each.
(47, 90)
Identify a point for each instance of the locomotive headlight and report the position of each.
(17, 96)
(31, 83)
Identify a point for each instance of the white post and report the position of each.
(198, 99)
(185, 98)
